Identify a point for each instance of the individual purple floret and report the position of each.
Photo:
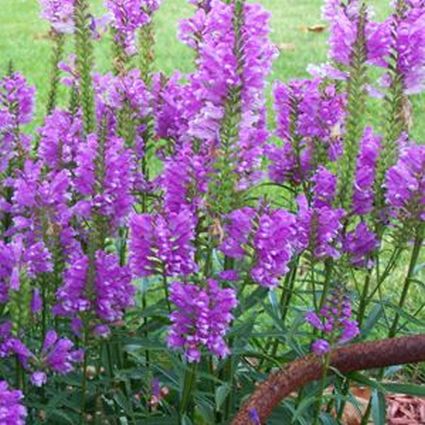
(12, 411)
(363, 193)
(334, 321)
(162, 243)
(59, 13)
(269, 237)
(405, 184)
(318, 230)
(201, 318)
(360, 244)
(320, 347)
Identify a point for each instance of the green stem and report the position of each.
(84, 383)
(188, 388)
(327, 283)
(84, 63)
(322, 389)
(166, 292)
(364, 298)
(408, 280)
(58, 49)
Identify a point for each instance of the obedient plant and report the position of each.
(163, 245)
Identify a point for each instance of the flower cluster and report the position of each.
(128, 16)
(363, 194)
(201, 318)
(268, 237)
(162, 243)
(334, 321)
(344, 20)
(405, 184)
(12, 412)
(310, 117)
(57, 355)
(319, 230)
(59, 13)
(408, 43)
(106, 295)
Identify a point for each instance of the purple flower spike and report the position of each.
(405, 184)
(201, 318)
(59, 13)
(12, 412)
(162, 243)
(270, 235)
(360, 244)
(363, 194)
(334, 321)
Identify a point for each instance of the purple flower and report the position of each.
(221, 70)
(363, 194)
(71, 296)
(324, 188)
(128, 16)
(254, 417)
(59, 139)
(112, 290)
(112, 166)
(344, 21)
(274, 245)
(320, 347)
(184, 180)
(58, 355)
(308, 112)
(12, 412)
(38, 379)
(267, 236)
(409, 45)
(36, 302)
(318, 230)
(162, 243)
(59, 13)
(405, 184)
(334, 321)
(201, 318)
(17, 98)
(360, 244)
(16, 109)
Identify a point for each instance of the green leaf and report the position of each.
(379, 408)
(221, 394)
(409, 389)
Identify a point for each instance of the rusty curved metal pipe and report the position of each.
(362, 356)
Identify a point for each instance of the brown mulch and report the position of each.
(401, 409)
